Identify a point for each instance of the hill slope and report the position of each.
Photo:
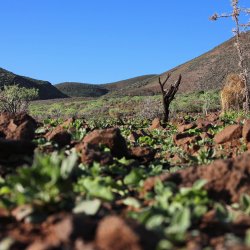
(46, 89)
(205, 72)
(76, 89)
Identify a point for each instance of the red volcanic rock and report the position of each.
(144, 154)
(228, 134)
(17, 126)
(226, 180)
(114, 233)
(156, 124)
(110, 138)
(246, 131)
(91, 153)
(185, 127)
(185, 138)
(59, 135)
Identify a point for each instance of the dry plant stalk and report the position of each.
(238, 30)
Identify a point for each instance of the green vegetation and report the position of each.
(57, 181)
(141, 107)
(15, 99)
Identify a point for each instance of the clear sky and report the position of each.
(99, 41)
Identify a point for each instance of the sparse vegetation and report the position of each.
(143, 185)
(15, 99)
(124, 172)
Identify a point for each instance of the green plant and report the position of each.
(15, 99)
(47, 181)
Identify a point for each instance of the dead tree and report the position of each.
(168, 95)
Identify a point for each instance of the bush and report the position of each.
(15, 99)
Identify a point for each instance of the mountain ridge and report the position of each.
(46, 89)
(205, 72)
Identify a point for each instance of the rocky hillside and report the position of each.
(205, 72)
(46, 89)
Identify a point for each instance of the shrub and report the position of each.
(15, 99)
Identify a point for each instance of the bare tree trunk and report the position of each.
(168, 95)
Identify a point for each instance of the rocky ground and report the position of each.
(74, 185)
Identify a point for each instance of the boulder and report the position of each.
(226, 180)
(91, 153)
(17, 126)
(113, 232)
(246, 131)
(143, 154)
(156, 124)
(185, 138)
(59, 135)
(229, 133)
(185, 127)
(110, 138)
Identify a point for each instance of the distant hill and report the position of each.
(76, 89)
(46, 89)
(205, 72)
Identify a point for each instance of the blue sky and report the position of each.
(99, 41)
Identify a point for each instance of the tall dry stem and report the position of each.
(238, 30)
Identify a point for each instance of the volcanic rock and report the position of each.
(229, 133)
(185, 127)
(17, 126)
(91, 153)
(59, 135)
(143, 154)
(246, 131)
(110, 138)
(226, 180)
(115, 233)
(156, 124)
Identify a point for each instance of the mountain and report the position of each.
(205, 72)
(76, 89)
(46, 89)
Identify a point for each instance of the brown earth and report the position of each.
(226, 179)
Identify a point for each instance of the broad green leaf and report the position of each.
(68, 165)
(5, 190)
(130, 201)
(98, 188)
(89, 207)
(247, 238)
(199, 184)
(155, 222)
(181, 221)
(134, 177)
